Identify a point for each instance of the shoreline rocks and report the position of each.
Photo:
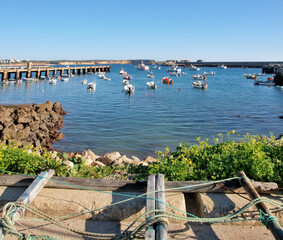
(35, 124)
(108, 159)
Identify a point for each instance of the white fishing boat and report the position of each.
(84, 81)
(175, 74)
(101, 75)
(107, 78)
(151, 85)
(142, 66)
(129, 88)
(193, 68)
(53, 81)
(175, 69)
(122, 72)
(222, 66)
(43, 78)
(128, 77)
(199, 84)
(265, 83)
(259, 74)
(125, 81)
(65, 75)
(209, 73)
(28, 79)
(64, 79)
(200, 77)
(91, 86)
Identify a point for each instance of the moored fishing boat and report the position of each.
(64, 79)
(193, 68)
(150, 76)
(269, 82)
(250, 76)
(91, 86)
(199, 84)
(122, 72)
(167, 80)
(101, 75)
(142, 66)
(84, 81)
(128, 77)
(175, 69)
(209, 73)
(151, 85)
(53, 81)
(175, 74)
(222, 66)
(43, 78)
(200, 77)
(28, 79)
(129, 88)
(125, 81)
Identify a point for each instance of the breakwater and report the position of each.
(37, 71)
(35, 124)
(231, 64)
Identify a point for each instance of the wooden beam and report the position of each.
(129, 185)
(273, 226)
(29, 194)
(161, 227)
(150, 206)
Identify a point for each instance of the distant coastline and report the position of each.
(184, 63)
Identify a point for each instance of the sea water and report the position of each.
(107, 119)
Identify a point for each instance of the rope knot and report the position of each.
(266, 219)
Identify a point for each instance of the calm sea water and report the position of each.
(107, 119)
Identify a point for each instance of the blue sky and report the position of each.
(231, 30)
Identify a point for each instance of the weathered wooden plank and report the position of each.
(161, 227)
(150, 205)
(273, 226)
(129, 185)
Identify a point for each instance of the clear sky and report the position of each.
(213, 30)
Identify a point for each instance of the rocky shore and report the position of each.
(108, 159)
(38, 125)
(35, 124)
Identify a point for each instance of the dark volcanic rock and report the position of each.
(35, 125)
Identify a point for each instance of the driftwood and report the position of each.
(128, 185)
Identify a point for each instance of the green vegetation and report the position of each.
(259, 157)
(27, 160)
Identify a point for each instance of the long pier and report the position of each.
(16, 73)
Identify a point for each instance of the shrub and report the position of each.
(258, 156)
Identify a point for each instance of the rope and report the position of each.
(160, 216)
(266, 219)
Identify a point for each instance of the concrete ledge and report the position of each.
(62, 202)
(216, 205)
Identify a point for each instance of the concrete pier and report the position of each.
(37, 71)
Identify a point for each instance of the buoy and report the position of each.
(179, 89)
(145, 94)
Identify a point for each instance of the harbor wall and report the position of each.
(58, 202)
